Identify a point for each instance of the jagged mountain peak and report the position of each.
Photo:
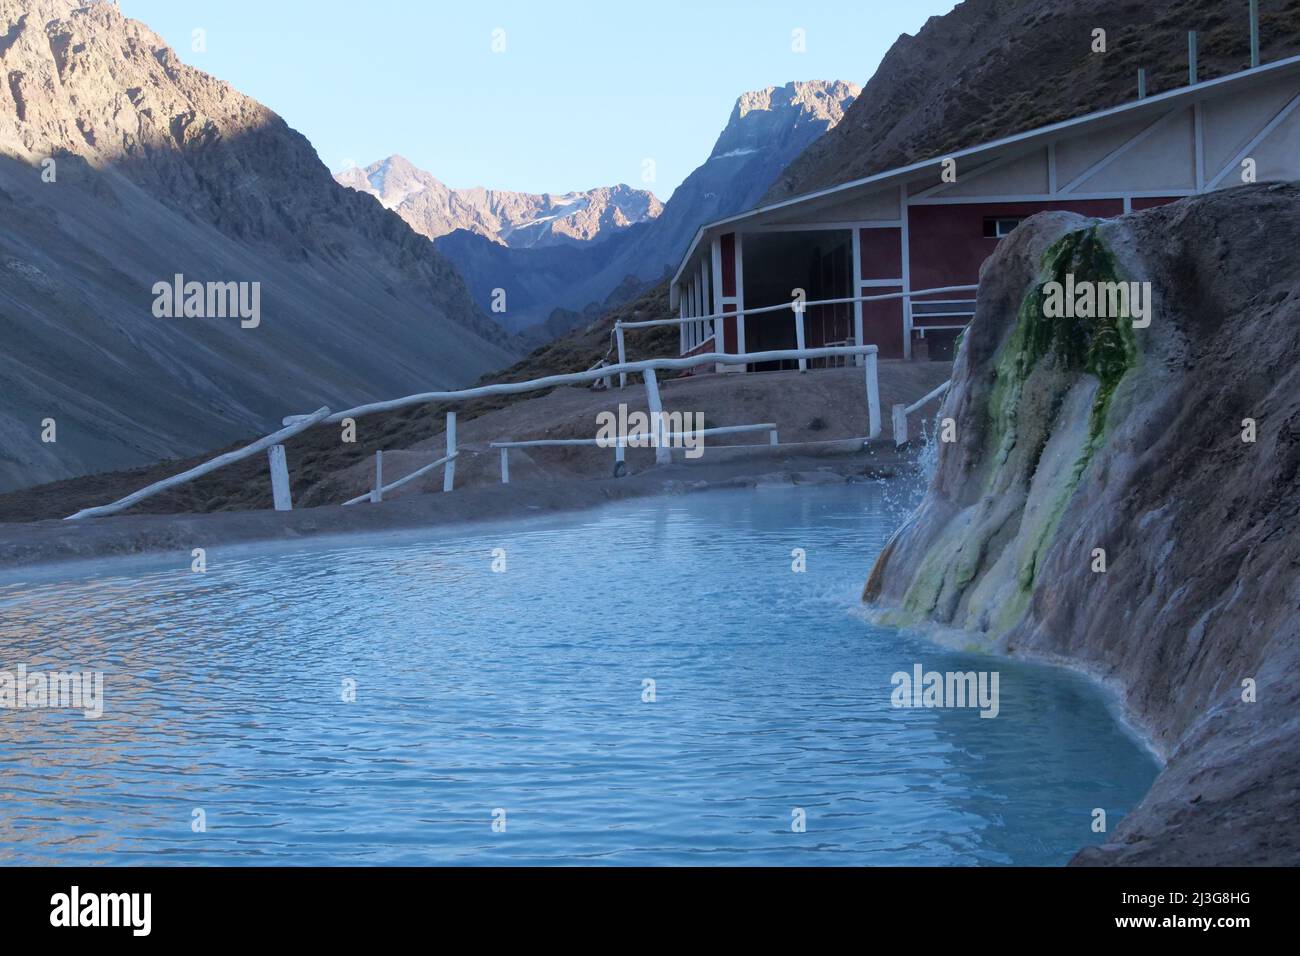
(821, 99)
(514, 219)
(766, 130)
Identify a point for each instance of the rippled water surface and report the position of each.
(522, 692)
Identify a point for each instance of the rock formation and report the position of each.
(1080, 436)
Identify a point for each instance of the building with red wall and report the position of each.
(932, 224)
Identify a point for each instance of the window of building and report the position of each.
(999, 227)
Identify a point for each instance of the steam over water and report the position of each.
(523, 692)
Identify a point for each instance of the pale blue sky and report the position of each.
(583, 92)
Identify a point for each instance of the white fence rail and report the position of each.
(262, 444)
(295, 424)
(376, 494)
(799, 309)
(623, 442)
(783, 306)
(580, 378)
(899, 413)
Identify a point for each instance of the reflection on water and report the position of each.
(523, 691)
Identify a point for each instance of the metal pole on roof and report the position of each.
(1254, 33)
(1191, 57)
(1142, 84)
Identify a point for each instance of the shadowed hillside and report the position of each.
(121, 167)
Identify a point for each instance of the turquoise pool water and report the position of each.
(519, 698)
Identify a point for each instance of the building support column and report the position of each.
(715, 304)
(857, 292)
(907, 272)
(740, 297)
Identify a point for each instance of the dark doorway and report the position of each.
(817, 261)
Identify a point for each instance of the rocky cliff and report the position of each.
(991, 68)
(767, 129)
(517, 220)
(1081, 436)
(121, 167)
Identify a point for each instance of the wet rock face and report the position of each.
(1076, 435)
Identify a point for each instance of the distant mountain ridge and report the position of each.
(766, 130)
(514, 219)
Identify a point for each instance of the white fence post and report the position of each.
(622, 353)
(377, 495)
(449, 470)
(662, 455)
(772, 438)
(899, 415)
(873, 397)
(505, 466)
(799, 336)
(907, 327)
(280, 493)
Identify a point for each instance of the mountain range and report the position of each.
(569, 283)
(122, 168)
(516, 220)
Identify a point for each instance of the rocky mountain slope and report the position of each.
(991, 68)
(767, 129)
(517, 220)
(1082, 434)
(121, 167)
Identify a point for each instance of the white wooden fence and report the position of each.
(272, 442)
(295, 424)
(623, 442)
(798, 308)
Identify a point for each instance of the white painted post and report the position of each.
(799, 337)
(505, 466)
(856, 251)
(620, 454)
(280, 493)
(1254, 33)
(772, 437)
(907, 327)
(873, 397)
(622, 353)
(662, 455)
(449, 470)
(898, 414)
(740, 299)
(377, 494)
